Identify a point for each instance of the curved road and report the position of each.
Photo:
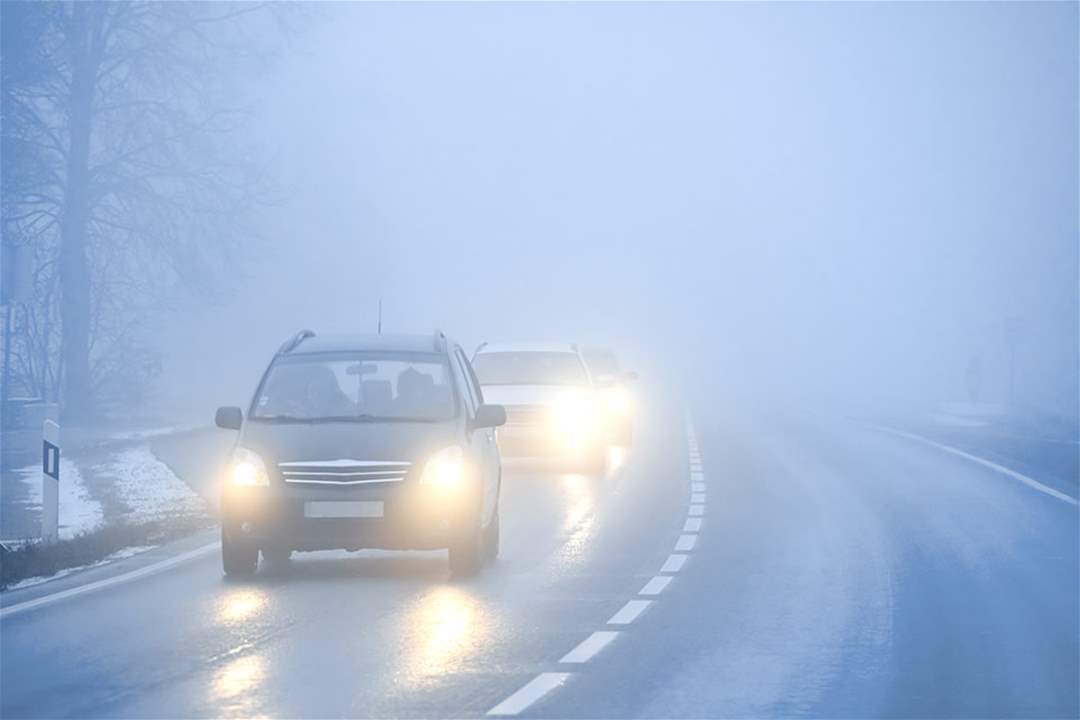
(836, 571)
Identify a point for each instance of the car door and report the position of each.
(484, 438)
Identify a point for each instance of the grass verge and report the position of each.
(36, 559)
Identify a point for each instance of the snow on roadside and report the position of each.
(79, 512)
(147, 486)
(156, 432)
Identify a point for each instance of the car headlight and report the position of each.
(247, 469)
(445, 469)
(572, 416)
(617, 401)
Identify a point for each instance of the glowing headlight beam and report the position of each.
(248, 469)
(572, 417)
(445, 469)
(617, 400)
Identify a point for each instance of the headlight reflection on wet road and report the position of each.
(235, 688)
(579, 516)
(443, 628)
(235, 691)
(239, 676)
(240, 605)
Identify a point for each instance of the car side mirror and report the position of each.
(489, 416)
(229, 418)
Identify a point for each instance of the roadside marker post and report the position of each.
(50, 482)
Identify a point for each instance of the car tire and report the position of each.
(491, 538)
(239, 558)
(466, 553)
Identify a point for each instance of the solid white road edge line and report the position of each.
(629, 612)
(590, 646)
(656, 585)
(674, 563)
(1034, 484)
(529, 693)
(108, 582)
(692, 525)
(685, 542)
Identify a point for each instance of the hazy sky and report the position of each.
(829, 198)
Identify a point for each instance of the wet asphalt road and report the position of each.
(838, 571)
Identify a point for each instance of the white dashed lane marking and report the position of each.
(547, 682)
(629, 612)
(656, 585)
(673, 564)
(593, 644)
(685, 542)
(529, 693)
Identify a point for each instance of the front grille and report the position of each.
(344, 472)
(525, 415)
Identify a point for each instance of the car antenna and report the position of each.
(378, 327)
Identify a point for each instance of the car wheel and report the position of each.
(467, 552)
(491, 538)
(239, 558)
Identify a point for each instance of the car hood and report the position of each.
(511, 395)
(368, 441)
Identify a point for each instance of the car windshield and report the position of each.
(356, 387)
(529, 368)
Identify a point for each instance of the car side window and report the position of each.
(466, 386)
(474, 383)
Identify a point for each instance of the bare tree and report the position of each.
(145, 186)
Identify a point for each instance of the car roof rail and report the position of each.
(440, 341)
(290, 344)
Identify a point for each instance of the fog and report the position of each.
(810, 203)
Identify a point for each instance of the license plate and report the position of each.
(343, 509)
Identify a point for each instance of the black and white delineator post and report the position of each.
(50, 482)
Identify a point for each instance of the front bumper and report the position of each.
(414, 517)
